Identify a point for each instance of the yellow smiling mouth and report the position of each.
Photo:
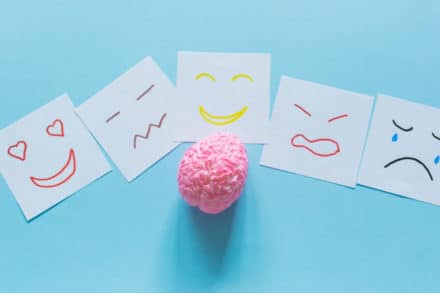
(221, 120)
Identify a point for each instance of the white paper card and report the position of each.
(48, 155)
(132, 118)
(318, 131)
(402, 151)
(223, 92)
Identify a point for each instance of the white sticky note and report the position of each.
(318, 131)
(402, 151)
(132, 117)
(223, 92)
(48, 155)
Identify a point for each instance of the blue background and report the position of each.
(287, 233)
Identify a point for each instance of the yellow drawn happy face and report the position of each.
(221, 120)
(223, 91)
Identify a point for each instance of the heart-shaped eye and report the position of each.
(56, 128)
(18, 150)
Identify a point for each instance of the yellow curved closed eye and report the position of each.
(242, 75)
(205, 74)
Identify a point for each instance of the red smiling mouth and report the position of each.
(59, 178)
(321, 147)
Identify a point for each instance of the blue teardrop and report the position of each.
(396, 137)
(437, 160)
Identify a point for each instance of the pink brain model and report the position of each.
(213, 172)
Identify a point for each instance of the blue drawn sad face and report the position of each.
(395, 139)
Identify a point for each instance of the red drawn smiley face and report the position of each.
(19, 151)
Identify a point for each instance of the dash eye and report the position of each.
(113, 116)
(145, 92)
(337, 118)
(302, 109)
(406, 129)
(242, 75)
(205, 74)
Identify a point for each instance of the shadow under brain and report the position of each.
(213, 233)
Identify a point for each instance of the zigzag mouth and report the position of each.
(147, 135)
(414, 160)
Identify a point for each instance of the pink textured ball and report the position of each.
(213, 172)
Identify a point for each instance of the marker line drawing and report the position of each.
(435, 136)
(64, 174)
(205, 74)
(147, 135)
(303, 110)
(56, 128)
(112, 117)
(312, 141)
(337, 117)
(145, 92)
(242, 75)
(224, 119)
(402, 128)
(21, 147)
(414, 160)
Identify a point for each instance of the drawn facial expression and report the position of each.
(131, 117)
(402, 152)
(318, 131)
(137, 136)
(321, 147)
(64, 174)
(223, 92)
(395, 138)
(48, 155)
(223, 119)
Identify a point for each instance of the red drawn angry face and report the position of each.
(321, 146)
(19, 151)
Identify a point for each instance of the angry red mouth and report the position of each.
(321, 147)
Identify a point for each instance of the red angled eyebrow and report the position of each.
(304, 110)
(337, 117)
